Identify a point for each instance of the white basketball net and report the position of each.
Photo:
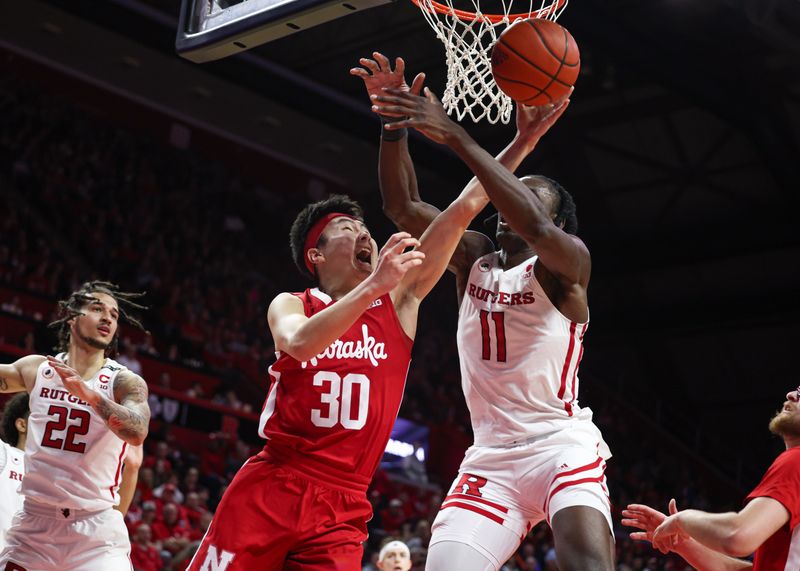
(468, 40)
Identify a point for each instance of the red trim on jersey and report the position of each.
(577, 365)
(562, 389)
(475, 509)
(563, 485)
(475, 499)
(586, 468)
(119, 469)
(486, 350)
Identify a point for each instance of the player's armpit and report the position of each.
(20, 375)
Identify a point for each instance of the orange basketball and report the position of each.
(535, 62)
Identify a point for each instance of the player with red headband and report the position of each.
(343, 351)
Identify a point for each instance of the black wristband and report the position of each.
(392, 135)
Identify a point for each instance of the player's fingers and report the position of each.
(394, 110)
(416, 85)
(383, 62)
(639, 536)
(394, 239)
(399, 66)
(401, 245)
(430, 95)
(370, 64)
(394, 125)
(360, 72)
(385, 97)
(673, 506)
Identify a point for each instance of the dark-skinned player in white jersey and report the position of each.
(523, 312)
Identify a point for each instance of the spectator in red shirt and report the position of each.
(194, 509)
(172, 532)
(767, 525)
(393, 517)
(144, 555)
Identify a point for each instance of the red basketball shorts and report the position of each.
(272, 518)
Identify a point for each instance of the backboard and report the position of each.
(214, 29)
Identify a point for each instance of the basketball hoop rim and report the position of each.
(466, 16)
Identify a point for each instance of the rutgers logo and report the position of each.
(48, 373)
(472, 483)
(216, 562)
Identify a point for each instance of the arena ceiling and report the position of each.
(681, 147)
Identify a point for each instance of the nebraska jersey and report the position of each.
(12, 469)
(781, 483)
(331, 417)
(519, 356)
(72, 458)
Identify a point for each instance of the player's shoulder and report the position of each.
(789, 459)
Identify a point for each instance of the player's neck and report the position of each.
(86, 360)
(338, 288)
(21, 441)
(510, 259)
(791, 442)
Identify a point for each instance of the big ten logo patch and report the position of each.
(470, 485)
(215, 561)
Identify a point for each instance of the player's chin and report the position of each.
(362, 267)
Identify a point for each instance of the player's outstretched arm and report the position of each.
(565, 256)
(20, 375)
(438, 243)
(646, 520)
(127, 416)
(737, 534)
(305, 337)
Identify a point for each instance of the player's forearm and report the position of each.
(317, 333)
(129, 424)
(520, 207)
(703, 558)
(130, 476)
(718, 532)
(398, 184)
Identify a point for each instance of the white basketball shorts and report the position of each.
(47, 538)
(502, 492)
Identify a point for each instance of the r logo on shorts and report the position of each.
(473, 484)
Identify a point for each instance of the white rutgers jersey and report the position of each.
(519, 355)
(12, 469)
(73, 460)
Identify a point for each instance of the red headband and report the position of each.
(315, 232)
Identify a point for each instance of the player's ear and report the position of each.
(21, 424)
(315, 256)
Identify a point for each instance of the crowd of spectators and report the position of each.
(86, 199)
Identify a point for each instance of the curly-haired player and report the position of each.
(85, 409)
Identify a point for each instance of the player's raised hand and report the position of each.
(534, 122)
(393, 263)
(73, 381)
(669, 535)
(378, 75)
(425, 114)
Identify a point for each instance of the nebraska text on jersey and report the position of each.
(365, 348)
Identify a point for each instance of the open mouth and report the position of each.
(364, 256)
(104, 330)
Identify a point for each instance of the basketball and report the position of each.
(535, 62)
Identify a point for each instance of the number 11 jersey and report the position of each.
(331, 417)
(519, 356)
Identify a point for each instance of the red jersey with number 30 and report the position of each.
(331, 417)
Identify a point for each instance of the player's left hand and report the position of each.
(534, 122)
(645, 519)
(73, 382)
(425, 114)
(378, 75)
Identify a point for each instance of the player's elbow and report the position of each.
(741, 542)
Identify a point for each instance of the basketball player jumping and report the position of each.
(523, 313)
(343, 351)
(85, 410)
(14, 430)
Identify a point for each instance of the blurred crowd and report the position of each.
(85, 199)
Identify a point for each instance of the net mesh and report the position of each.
(468, 38)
